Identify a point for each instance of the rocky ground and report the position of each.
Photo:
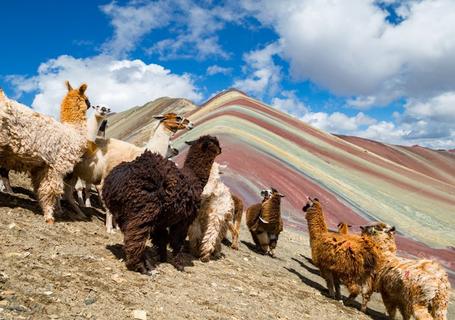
(74, 270)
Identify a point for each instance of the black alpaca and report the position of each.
(150, 194)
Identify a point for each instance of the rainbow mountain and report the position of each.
(357, 180)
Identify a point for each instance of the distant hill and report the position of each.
(358, 180)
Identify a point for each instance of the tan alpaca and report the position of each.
(343, 228)
(346, 259)
(109, 153)
(418, 288)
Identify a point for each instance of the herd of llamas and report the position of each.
(147, 196)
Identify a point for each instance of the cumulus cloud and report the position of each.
(119, 84)
(263, 74)
(193, 27)
(131, 22)
(352, 49)
(215, 69)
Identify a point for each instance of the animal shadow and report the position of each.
(309, 269)
(13, 201)
(152, 256)
(376, 315)
(252, 247)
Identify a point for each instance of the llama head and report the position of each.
(382, 234)
(378, 228)
(206, 144)
(74, 105)
(101, 112)
(311, 203)
(174, 122)
(269, 193)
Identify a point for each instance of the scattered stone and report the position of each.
(116, 277)
(12, 226)
(3, 277)
(3, 303)
(18, 308)
(89, 300)
(246, 259)
(7, 293)
(48, 293)
(1, 310)
(140, 314)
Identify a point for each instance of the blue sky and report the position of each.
(380, 69)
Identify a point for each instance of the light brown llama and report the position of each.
(346, 259)
(418, 288)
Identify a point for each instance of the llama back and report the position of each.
(148, 176)
(349, 256)
(425, 280)
(29, 135)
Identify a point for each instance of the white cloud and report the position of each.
(118, 84)
(131, 22)
(193, 27)
(215, 69)
(290, 104)
(338, 122)
(351, 49)
(263, 74)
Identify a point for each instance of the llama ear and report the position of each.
(190, 143)
(363, 228)
(68, 85)
(280, 195)
(82, 88)
(349, 225)
(339, 225)
(159, 117)
(392, 229)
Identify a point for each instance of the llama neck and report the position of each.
(198, 166)
(271, 210)
(316, 222)
(159, 141)
(93, 125)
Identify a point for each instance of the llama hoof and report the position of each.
(235, 247)
(205, 258)
(50, 221)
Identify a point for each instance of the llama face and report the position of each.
(75, 104)
(207, 144)
(174, 122)
(102, 111)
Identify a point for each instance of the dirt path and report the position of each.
(73, 270)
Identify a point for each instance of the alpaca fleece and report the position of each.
(265, 223)
(342, 258)
(31, 142)
(418, 288)
(96, 166)
(234, 226)
(217, 210)
(150, 194)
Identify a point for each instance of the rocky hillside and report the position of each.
(74, 270)
(358, 180)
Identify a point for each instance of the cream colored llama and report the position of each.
(38, 144)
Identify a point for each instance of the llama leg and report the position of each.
(194, 236)
(354, 291)
(80, 198)
(210, 238)
(160, 238)
(135, 238)
(177, 235)
(69, 187)
(367, 291)
(48, 186)
(328, 277)
(421, 312)
(4, 173)
(336, 283)
(238, 212)
(439, 305)
(87, 191)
